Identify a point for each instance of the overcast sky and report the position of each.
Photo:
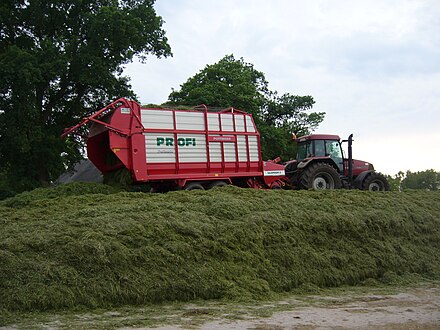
(372, 66)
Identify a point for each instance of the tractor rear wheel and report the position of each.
(376, 182)
(320, 176)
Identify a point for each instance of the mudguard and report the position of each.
(307, 161)
(357, 183)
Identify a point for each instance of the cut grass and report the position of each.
(94, 246)
(194, 314)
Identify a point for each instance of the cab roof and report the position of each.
(318, 137)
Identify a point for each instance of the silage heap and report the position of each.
(88, 245)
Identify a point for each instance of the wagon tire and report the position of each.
(158, 189)
(216, 184)
(376, 182)
(320, 176)
(193, 186)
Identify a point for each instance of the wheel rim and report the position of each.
(375, 186)
(194, 187)
(217, 184)
(323, 182)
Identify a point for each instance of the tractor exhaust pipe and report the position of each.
(350, 160)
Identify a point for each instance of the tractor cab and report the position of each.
(320, 146)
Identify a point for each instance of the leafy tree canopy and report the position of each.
(60, 60)
(228, 83)
(395, 180)
(235, 83)
(427, 180)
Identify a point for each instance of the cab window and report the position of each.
(303, 151)
(319, 148)
(333, 149)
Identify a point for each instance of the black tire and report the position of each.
(320, 176)
(193, 186)
(162, 188)
(216, 184)
(375, 182)
(277, 185)
(157, 189)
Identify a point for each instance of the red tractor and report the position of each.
(320, 164)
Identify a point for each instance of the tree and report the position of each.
(60, 60)
(428, 180)
(235, 83)
(228, 83)
(395, 181)
(283, 116)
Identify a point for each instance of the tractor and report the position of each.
(320, 164)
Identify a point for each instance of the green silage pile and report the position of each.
(92, 245)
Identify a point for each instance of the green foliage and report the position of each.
(235, 83)
(62, 248)
(228, 83)
(276, 142)
(5, 191)
(427, 180)
(395, 181)
(290, 111)
(60, 60)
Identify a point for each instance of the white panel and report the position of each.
(249, 124)
(213, 122)
(215, 152)
(239, 123)
(241, 143)
(229, 152)
(186, 120)
(192, 148)
(159, 148)
(157, 119)
(253, 148)
(227, 123)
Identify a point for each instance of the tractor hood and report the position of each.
(360, 166)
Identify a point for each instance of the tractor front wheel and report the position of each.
(376, 182)
(320, 176)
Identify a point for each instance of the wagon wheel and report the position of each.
(193, 186)
(216, 184)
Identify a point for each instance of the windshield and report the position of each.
(320, 148)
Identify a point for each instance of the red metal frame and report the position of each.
(124, 137)
(92, 118)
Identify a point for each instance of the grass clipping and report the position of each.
(91, 245)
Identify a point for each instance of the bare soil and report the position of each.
(417, 308)
(350, 308)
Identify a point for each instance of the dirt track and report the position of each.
(354, 308)
(415, 309)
